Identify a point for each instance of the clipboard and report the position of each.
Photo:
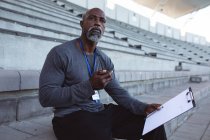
(176, 106)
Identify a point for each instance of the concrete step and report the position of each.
(200, 91)
(45, 27)
(41, 127)
(19, 98)
(197, 127)
(38, 13)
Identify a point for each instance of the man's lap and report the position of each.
(113, 121)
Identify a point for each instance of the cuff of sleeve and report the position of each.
(144, 105)
(141, 108)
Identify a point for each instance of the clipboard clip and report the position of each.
(190, 97)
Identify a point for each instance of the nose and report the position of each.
(97, 21)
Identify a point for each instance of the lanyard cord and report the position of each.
(86, 59)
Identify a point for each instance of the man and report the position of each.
(71, 77)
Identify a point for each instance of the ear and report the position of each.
(81, 23)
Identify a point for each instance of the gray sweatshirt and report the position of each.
(64, 82)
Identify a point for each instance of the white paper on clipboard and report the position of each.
(171, 109)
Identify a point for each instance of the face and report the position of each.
(93, 24)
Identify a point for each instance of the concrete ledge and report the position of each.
(13, 80)
(22, 100)
(9, 80)
(20, 105)
(126, 76)
(29, 79)
(8, 110)
(29, 106)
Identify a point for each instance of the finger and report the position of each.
(106, 83)
(105, 76)
(108, 75)
(156, 106)
(152, 107)
(108, 79)
(110, 72)
(101, 72)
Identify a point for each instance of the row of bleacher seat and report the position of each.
(54, 27)
(22, 18)
(46, 20)
(157, 44)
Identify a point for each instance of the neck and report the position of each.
(88, 45)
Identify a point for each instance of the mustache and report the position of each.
(95, 29)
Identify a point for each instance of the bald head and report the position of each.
(93, 24)
(98, 10)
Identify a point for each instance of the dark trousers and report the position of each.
(113, 122)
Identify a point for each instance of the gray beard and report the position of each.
(93, 36)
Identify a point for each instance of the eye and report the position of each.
(95, 18)
(91, 17)
(103, 20)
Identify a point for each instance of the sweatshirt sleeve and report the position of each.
(123, 98)
(52, 93)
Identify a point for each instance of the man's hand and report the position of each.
(151, 107)
(100, 79)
